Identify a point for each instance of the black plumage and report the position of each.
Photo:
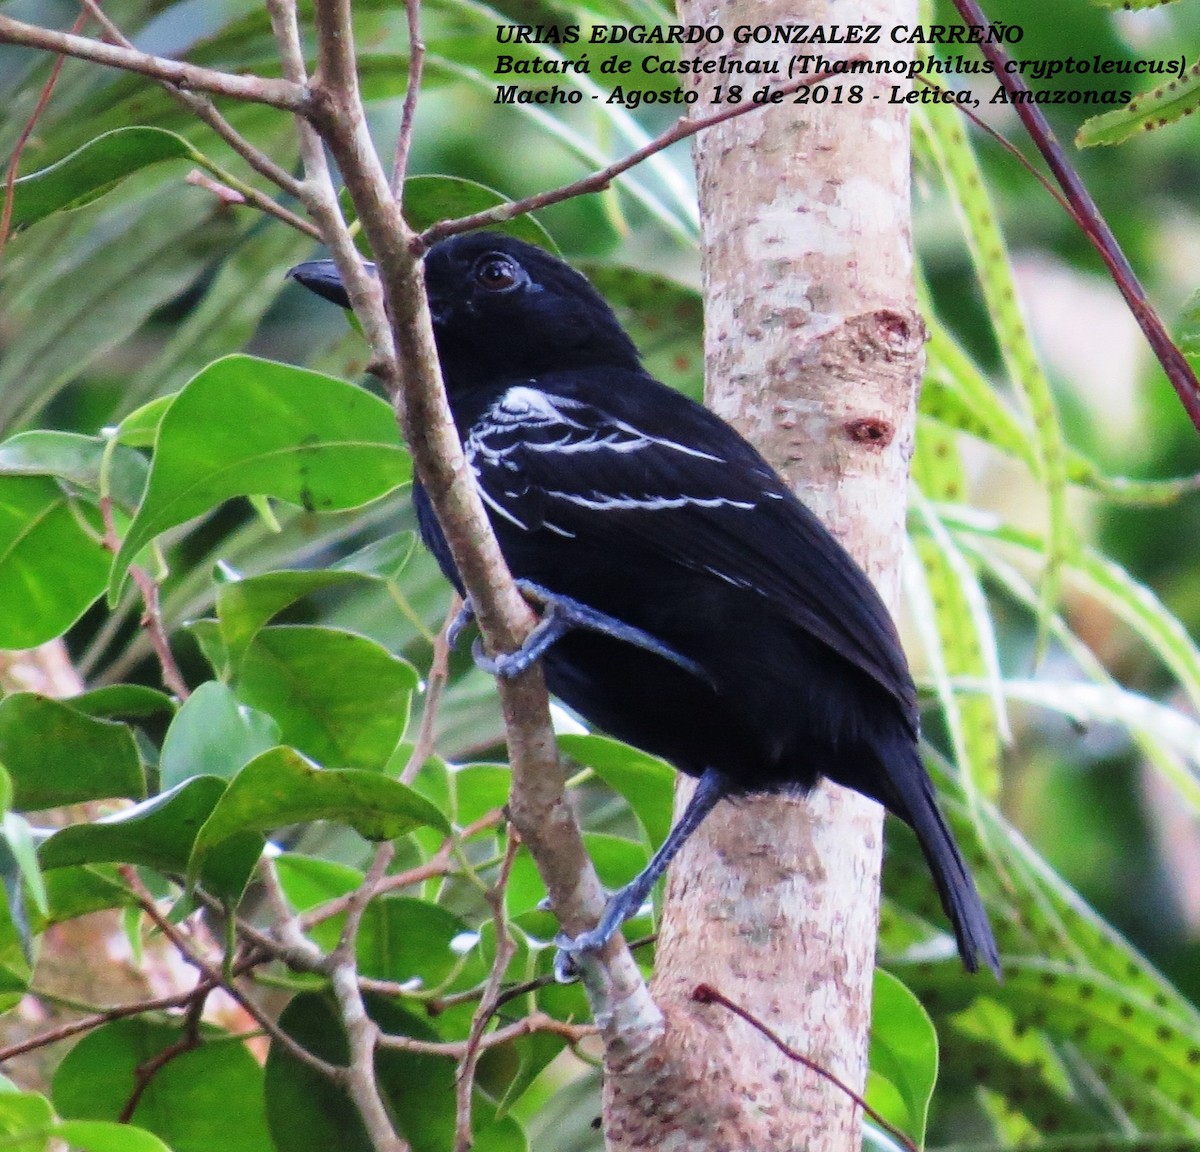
(746, 647)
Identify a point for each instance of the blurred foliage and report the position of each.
(1045, 516)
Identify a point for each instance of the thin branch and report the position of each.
(436, 865)
(152, 619)
(706, 994)
(213, 975)
(286, 930)
(206, 110)
(362, 1032)
(505, 950)
(416, 64)
(144, 1073)
(1095, 227)
(320, 197)
(254, 89)
(538, 806)
(598, 181)
(14, 163)
(435, 683)
(457, 1049)
(98, 1018)
(1012, 150)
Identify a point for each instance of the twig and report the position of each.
(1093, 224)
(255, 89)
(151, 619)
(1012, 150)
(707, 994)
(144, 1073)
(437, 865)
(14, 163)
(416, 64)
(458, 1049)
(229, 197)
(96, 1019)
(362, 1032)
(286, 930)
(212, 974)
(206, 110)
(682, 128)
(435, 683)
(321, 199)
(505, 949)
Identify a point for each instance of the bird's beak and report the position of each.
(322, 277)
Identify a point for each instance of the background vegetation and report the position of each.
(1052, 596)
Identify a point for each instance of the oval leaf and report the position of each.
(157, 833)
(248, 427)
(213, 734)
(189, 1102)
(340, 698)
(51, 568)
(903, 1056)
(281, 787)
(56, 755)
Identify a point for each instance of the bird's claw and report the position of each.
(572, 950)
(462, 619)
(560, 615)
(507, 664)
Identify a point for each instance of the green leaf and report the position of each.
(281, 787)
(94, 169)
(299, 436)
(208, 1097)
(56, 755)
(1157, 108)
(25, 1121)
(51, 567)
(107, 1136)
(941, 136)
(307, 1113)
(428, 199)
(158, 833)
(140, 428)
(17, 919)
(213, 734)
(73, 892)
(19, 838)
(904, 1056)
(340, 698)
(245, 606)
(80, 460)
(646, 782)
(132, 700)
(406, 939)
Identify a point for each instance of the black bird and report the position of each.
(693, 606)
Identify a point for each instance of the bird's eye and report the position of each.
(497, 273)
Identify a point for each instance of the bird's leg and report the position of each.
(623, 904)
(560, 615)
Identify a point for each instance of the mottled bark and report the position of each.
(813, 350)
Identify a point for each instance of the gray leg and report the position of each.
(560, 615)
(625, 903)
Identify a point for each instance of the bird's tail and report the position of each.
(913, 800)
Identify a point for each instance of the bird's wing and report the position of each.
(671, 478)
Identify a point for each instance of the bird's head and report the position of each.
(502, 309)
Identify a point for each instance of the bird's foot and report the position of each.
(560, 615)
(571, 950)
(621, 905)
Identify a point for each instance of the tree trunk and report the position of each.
(813, 350)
